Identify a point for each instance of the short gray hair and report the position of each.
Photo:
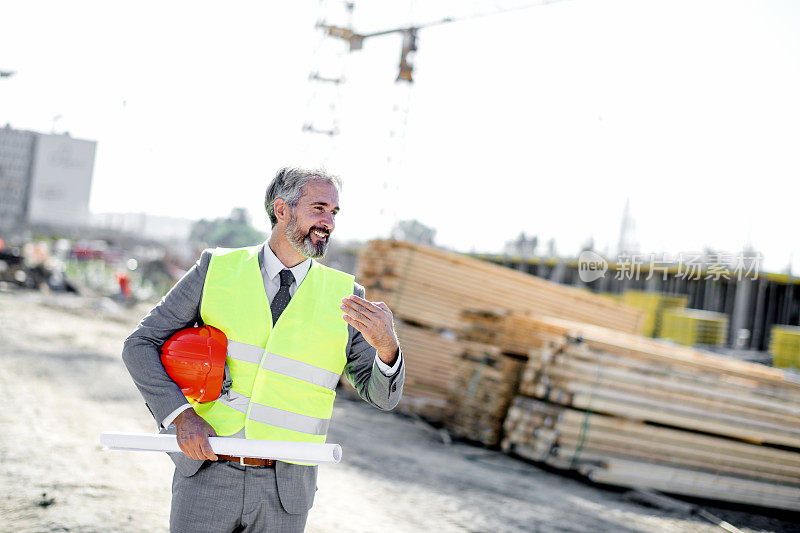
(288, 185)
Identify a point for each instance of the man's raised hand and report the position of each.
(374, 321)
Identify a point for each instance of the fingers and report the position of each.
(372, 319)
(196, 447)
(186, 448)
(365, 306)
(205, 450)
(189, 448)
(193, 433)
(362, 304)
(355, 323)
(357, 312)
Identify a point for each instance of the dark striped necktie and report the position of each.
(281, 299)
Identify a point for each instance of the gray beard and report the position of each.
(302, 241)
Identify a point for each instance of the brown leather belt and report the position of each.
(248, 461)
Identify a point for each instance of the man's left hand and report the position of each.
(374, 321)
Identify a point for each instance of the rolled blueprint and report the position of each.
(300, 452)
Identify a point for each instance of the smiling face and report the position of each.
(312, 220)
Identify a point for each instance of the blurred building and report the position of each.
(16, 159)
(157, 228)
(61, 181)
(45, 179)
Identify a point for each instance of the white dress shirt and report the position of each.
(271, 272)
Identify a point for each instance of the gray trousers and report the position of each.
(226, 497)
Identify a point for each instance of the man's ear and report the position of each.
(281, 210)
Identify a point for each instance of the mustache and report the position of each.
(321, 230)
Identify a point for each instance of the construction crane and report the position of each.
(324, 125)
(356, 40)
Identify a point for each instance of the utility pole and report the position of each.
(326, 78)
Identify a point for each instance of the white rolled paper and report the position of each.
(300, 452)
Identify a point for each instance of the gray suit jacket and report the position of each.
(179, 309)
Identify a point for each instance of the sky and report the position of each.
(544, 120)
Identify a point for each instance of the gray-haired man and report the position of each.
(215, 494)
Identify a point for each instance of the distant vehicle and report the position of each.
(89, 252)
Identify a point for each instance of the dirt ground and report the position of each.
(63, 382)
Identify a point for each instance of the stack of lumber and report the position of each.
(612, 296)
(624, 452)
(694, 326)
(784, 346)
(634, 411)
(432, 287)
(484, 384)
(428, 355)
(512, 333)
(427, 289)
(653, 304)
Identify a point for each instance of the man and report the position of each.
(293, 325)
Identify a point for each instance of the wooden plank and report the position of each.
(653, 349)
(683, 417)
(566, 378)
(429, 357)
(698, 484)
(773, 457)
(542, 428)
(484, 385)
(572, 448)
(430, 276)
(702, 385)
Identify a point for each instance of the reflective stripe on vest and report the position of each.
(288, 420)
(282, 365)
(235, 400)
(283, 378)
(300, 370)
(247, 353)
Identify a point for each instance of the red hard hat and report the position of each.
(195, 359)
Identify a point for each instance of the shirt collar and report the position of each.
(273, 265)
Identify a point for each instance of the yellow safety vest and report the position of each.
(283, 377)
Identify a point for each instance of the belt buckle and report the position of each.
(241, 461)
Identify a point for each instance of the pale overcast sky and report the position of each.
(542, 120)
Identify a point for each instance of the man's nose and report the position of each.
(327, 221)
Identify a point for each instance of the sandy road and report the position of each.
(63, 382)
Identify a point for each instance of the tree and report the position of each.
(413, 231)
(231, 232)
